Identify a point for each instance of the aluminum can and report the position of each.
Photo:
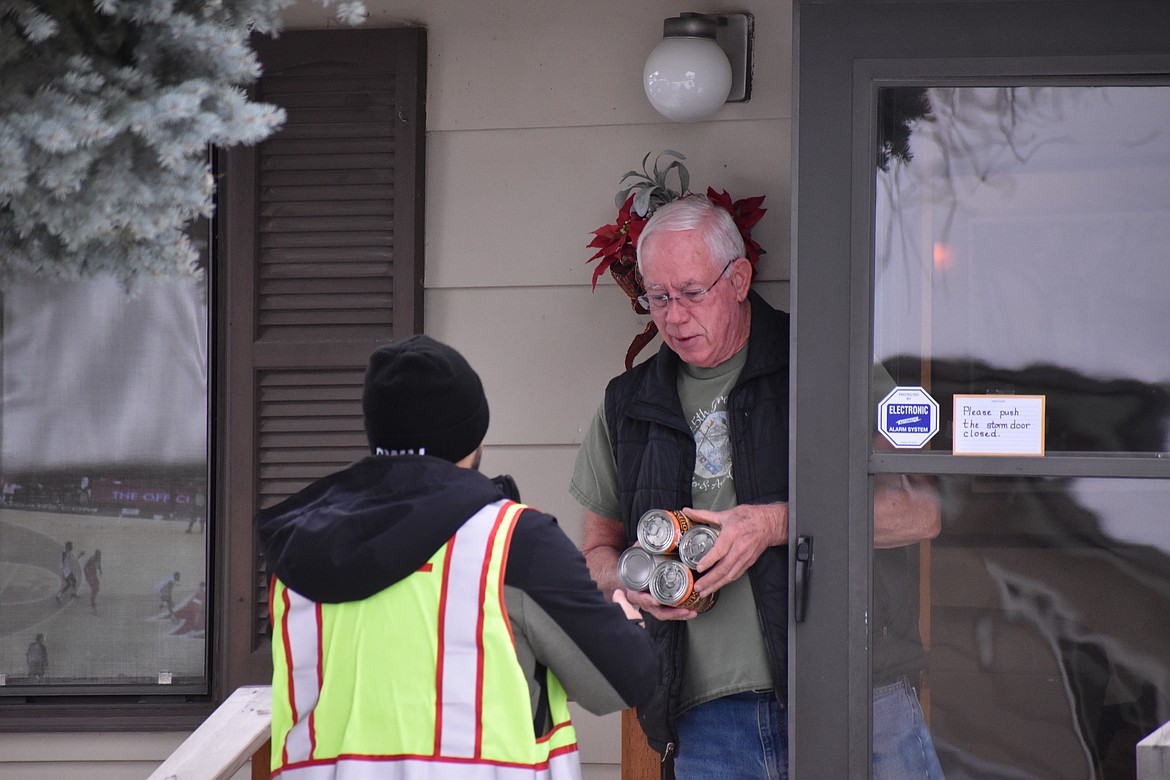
(695, 543)
(660, 530)
(635, 566)
(673, 585)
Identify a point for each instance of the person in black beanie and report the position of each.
(423, 619)
(422, 397)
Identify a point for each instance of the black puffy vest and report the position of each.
(655, 454)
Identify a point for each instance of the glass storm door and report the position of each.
(982, 394)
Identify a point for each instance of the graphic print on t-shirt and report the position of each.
(712, 446)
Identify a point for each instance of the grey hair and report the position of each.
(696, 212)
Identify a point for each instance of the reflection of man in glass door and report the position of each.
(906, 511)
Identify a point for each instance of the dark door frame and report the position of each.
(843, 52)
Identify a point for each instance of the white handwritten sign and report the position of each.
(998, 425)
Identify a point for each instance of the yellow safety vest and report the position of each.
(418, 681)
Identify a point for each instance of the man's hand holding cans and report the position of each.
(744, 533)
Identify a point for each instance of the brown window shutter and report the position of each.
(320, 261)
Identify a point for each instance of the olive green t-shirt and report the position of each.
(724, 646)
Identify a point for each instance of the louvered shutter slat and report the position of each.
(333, 265)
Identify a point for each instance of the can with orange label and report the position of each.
(695, 543)
(660, 530)
(673, 585)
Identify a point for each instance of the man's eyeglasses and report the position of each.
(658, 301)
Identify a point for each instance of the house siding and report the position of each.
(534, 111)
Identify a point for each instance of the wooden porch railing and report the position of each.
(237, 732)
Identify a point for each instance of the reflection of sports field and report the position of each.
(129, 639)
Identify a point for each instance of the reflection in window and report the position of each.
(1049, 644)
(1021, 247)
(103, 442)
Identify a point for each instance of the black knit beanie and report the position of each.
(423, 397)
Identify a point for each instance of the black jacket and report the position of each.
(655, 454)
(356, 532)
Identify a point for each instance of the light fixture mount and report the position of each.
(734, 34)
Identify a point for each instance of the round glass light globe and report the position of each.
(687, 79)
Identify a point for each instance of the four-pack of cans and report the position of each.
(664, 561)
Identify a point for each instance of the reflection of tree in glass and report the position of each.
(972, 137)
(974, 124)
(899, 108)
(993, 130)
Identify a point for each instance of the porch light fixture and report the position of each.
(702, 62)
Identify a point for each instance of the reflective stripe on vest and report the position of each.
(566, 765)
(438, 644)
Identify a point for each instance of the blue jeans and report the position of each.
(902, 747)
(745, 737)
(739, 737)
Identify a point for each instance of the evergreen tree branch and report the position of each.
(107, 111)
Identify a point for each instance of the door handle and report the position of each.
(803, 575)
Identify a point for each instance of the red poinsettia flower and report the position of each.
(746, 213)
(615, 243)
